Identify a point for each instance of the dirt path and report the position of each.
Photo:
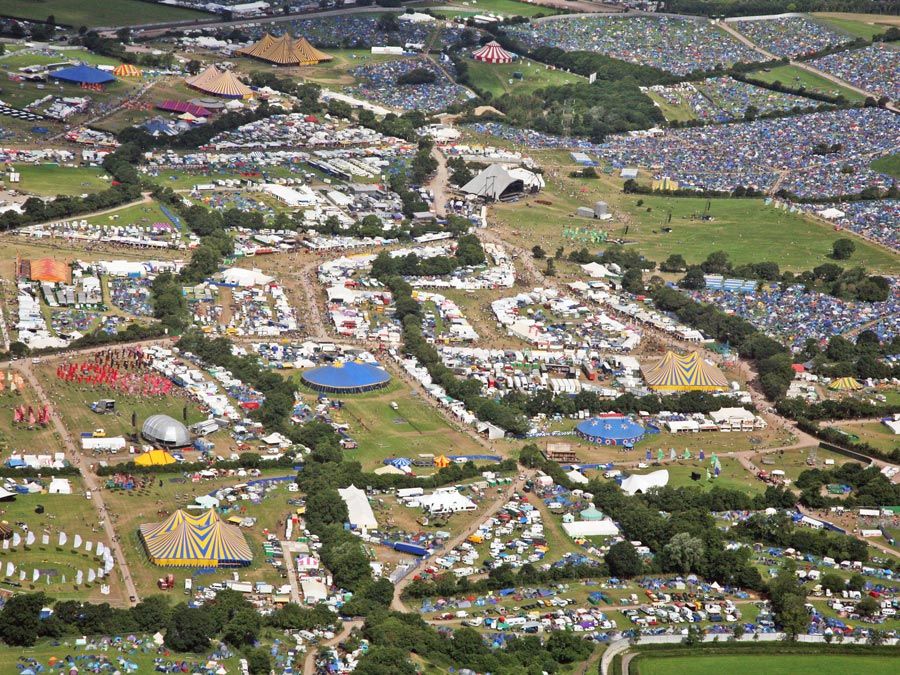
(439, 182)
(91, 481)
(309, 663)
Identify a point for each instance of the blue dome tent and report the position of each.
(350, 377)
(610, 431)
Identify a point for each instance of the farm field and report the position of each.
(787, 664)
(49, 180)
(499, 78)
(119, 13)
(165, 493)
(740, 227)
(414, 428)
(798, 77)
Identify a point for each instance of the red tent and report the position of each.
(492, 52)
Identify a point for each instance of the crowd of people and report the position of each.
(793, 315)
(679, 46)
(874, 68)
(379, 82)
(791, 36)
(723, 99)
(876, 220)
(818, 151)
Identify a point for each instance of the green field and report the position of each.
(856, 28)
(22, 59)
(889, 165)
(787, 664)
(334, 72)
(503, 7)
(792, 76)
(72, 514)
(875, 434)
(414, 428)
(106, 14)
(746, 229)
(50, 180)
(498, 78)
(143, 214)
(672, 113)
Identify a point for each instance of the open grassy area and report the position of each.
(794, 462)
(503, 7)
(142, 215)
(499, 78)
(168, 492)
(793, 76)
(78, 13)
(49, 180)
(889, 165)
(414, 428)
(25, 58)
(18, 438)
(780, 664)
(72, 514)
(875, 434)
(673, 113)
(747, 229)
(859, 25)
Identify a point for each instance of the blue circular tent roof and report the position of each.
(350, 377)
(610, 430)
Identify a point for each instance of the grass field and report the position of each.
(414, 428)
(498, 78)
(78, 13)
(330, 73)
(672, 113)
(793, 462)
(746, 229)
(889, 165)
(142, 215)
(798, 77)
(859, 25)
(49, 180)
(503, 7)
(782, 664)
(22, 59)
(875, 434)
(72, 514)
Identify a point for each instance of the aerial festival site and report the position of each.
(416, 337)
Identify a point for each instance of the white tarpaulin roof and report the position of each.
(239, 276)
(641, 483)
(359, 510)
(591, 528)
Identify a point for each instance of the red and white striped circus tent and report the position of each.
(492, 52)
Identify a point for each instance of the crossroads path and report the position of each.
(90, 479)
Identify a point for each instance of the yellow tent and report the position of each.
(441, 461)
(126, 70)
(675, 372)
(155, 458)
(845, 384)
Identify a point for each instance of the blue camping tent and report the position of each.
(83, 75)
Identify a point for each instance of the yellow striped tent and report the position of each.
(126, 70)
(689, 372)
(217, 82)
(845, 384)
(189, 540)
(285, 51)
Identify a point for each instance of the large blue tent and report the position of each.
(610, 431)
(346, 378)
(83, 75)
